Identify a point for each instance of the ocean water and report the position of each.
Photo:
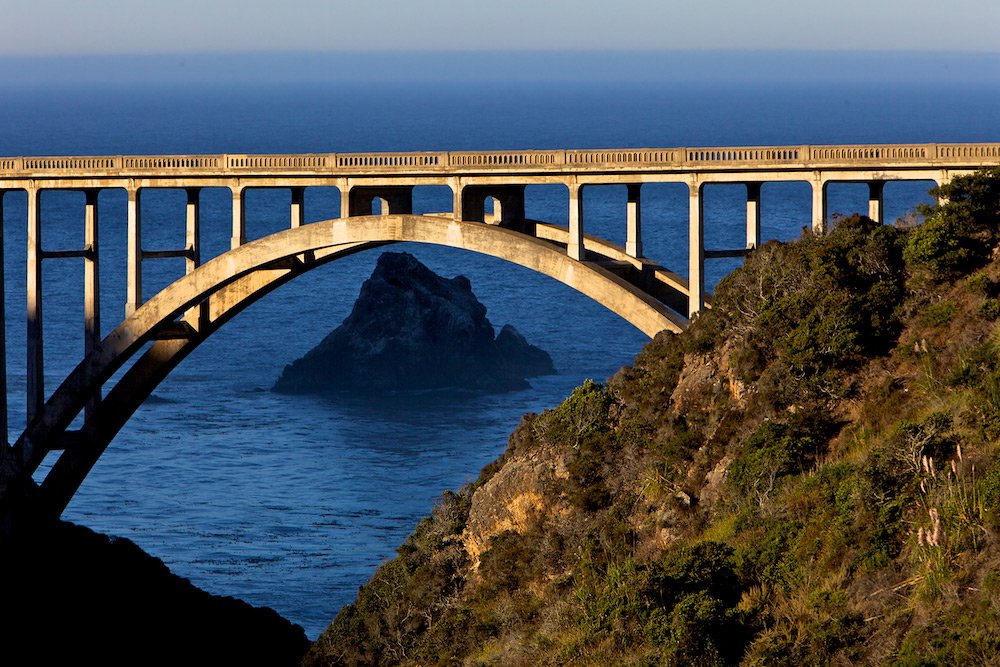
(292, 502)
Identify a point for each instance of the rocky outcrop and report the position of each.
(411, 329)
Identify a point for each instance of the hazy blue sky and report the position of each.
(55, 27)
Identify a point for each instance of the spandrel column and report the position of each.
(35, 346)
(239, 236)
(633, 221)
(876, 201)
(91, 285)
(574, 246)
(753, 215)
(696, 248)
(3, 334)
(819, 204)
(133, 287)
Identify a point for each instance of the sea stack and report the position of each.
(411, 329)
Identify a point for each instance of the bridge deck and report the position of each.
(631, 160)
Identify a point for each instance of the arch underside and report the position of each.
(185, 313)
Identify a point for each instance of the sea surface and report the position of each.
(292, 502)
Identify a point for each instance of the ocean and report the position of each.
(293, 501)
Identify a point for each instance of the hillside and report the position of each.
(808, 475)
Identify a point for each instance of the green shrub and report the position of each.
(585, 413)
(707, 566)
(773, 451)
(989, 309)
(801, 314)
(938, 314)
(956, 236)
(978, 283)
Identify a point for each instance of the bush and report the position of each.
(801, 314)
(773, 451)
(989, 309)
(956, 236)
(938, 314)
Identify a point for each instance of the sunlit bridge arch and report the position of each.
(185, 313)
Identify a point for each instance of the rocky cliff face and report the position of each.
(412, 329)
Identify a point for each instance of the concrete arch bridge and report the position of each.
(157, 334)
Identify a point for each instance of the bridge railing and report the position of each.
(875, 153)
(734, 157)
(388, 161)
(951, 151)
(171, 162)
(504, 158)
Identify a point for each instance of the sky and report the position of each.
(110, 27)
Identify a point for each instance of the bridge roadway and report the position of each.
(182, 315)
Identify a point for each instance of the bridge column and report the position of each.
(696, 248)
(91, 285)
(3, 337)
(133, 278)
(192, 227)
(633, 221)
(397, 200)
(457, 200)
(574, 246)
(753, 215)
(876, 201)
(36, 357)
(357, 200)
(943, 179)
(192, 250)
(298, 209)
(819, 204)
(239, 236)
(472, 205)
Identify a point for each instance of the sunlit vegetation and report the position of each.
(809, 475)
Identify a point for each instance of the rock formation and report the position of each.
(411, 329)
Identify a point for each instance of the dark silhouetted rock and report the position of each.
(72, 596)
(412, 329)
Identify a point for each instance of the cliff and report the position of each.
(810, 474)
(412, 329)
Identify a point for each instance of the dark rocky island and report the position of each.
(411, 329)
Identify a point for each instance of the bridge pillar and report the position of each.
(470, 205)
(192, 230)
(91, 285)
(943, 179)
(508, 210)
(510, 199)
(36, 362)
(192, 248)
(633, 221)
(819, 204)
(753, 215)
(298, 209)
(239, 236)
(574, 245)
(3, 337)
(696, 248)
(133, 278)
(876, 201)
(396, 200)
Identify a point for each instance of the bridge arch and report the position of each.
(182, 315)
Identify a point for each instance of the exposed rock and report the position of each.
(412, 329)
(516, 499)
